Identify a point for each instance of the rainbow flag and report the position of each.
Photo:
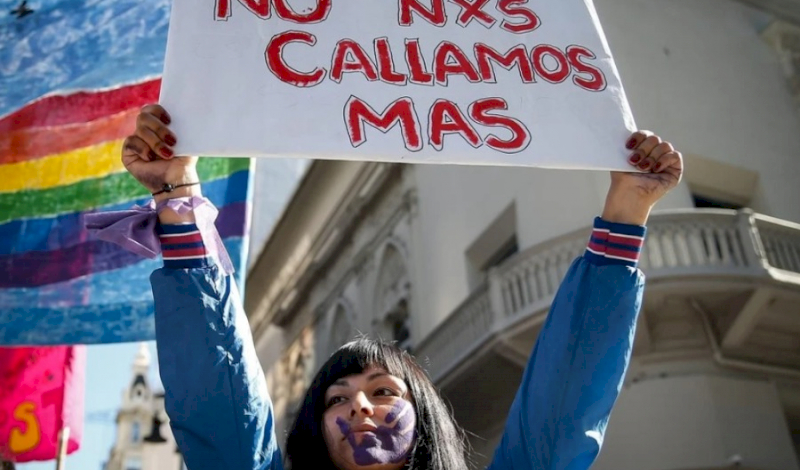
(73, 76)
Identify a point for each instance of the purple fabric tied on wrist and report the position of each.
(135, 229)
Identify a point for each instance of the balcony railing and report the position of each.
(679, 246)
(781, 243)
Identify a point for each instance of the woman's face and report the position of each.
(369, 421)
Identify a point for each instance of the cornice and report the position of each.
(281, 296)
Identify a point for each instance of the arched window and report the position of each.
(341, 328)
(298, 374)
(138, 389)
(398, 322)
(136, 432)
(302, 363)
(393, 318)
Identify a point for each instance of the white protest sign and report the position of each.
(499, 82)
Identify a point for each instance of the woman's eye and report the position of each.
(386, 392)
(335, 400)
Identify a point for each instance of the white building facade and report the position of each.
(460, 264)
(144, 440)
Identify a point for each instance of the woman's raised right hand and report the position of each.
(149, 157)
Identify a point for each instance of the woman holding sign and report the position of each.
(371, 406)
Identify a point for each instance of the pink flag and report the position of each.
(41, 392)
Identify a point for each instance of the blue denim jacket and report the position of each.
(222, 417)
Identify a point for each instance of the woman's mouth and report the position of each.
(361, 429)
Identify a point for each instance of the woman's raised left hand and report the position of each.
(633, 194)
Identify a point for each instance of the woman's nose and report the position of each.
(361, 405)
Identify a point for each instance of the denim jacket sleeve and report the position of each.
(573, 377)
(215, 391)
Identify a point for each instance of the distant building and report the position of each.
(144, 440)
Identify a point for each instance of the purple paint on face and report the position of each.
(388, 444)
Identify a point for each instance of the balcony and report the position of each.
(743, 267)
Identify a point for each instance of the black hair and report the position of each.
(440, 443)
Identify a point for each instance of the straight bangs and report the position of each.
(354, 358)
(439, 445)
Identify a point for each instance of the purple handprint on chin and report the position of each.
(386, 444)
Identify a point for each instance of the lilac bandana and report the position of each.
(135, 229)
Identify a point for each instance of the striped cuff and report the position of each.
(182, 247)
(615, 243)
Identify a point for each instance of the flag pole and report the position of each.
(63, 439)
(6, 465)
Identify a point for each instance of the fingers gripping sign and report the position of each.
(643, 153)
(650, 152)
(147, 154)
(658, 168)
(156, 134)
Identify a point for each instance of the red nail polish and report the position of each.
(170, 140)
(644, 165)
(631, 143)
(166, 152)
(165, 118)
(635, 158)
(152, 155)
(657, 167)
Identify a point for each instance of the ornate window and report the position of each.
(393, 319)
(398, 323)
(299, 373)
(785, 39)
(341, 328)
(302, 366)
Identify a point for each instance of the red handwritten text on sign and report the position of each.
(408, 65)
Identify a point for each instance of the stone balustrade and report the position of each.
(681, 246)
